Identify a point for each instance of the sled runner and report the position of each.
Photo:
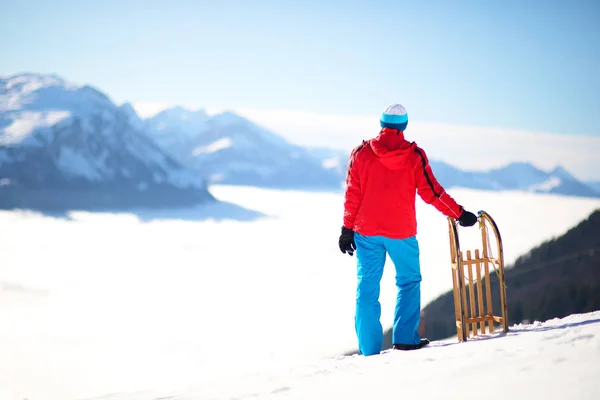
(474, 314)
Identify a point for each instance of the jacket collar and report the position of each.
(385, 131)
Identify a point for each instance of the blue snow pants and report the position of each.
(371, 256)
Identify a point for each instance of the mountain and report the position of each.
(450, 176)
(233, 150)
(331, 159)
(514, 176)
(230, 149)
(555, 279)
(65, 146)
(595, 185)
(524, 176)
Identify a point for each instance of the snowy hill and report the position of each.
(230, 149)
(555, 359)
(68, 146)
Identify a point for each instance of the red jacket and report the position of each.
(384, 174)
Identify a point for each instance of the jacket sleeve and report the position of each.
(353, 195)
(430, 190)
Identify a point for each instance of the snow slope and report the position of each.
(556, 359)
(143, 306)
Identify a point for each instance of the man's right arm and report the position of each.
(430, 190)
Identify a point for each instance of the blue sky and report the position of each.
(529, 65)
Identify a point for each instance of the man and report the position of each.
(384, 174)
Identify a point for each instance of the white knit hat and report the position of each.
(395, 117)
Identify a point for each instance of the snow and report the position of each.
(75, 163)
(24, 123)
(552, 360)
(178, 121)
(217, 177)
(33, 92)
(331, 163)
(143, 306)
(548, 185)
(18, 87)
(217, 145)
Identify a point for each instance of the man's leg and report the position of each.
(405, 255)
(370, 254)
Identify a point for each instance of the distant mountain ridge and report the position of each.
(68, 146)
(522, 176)
(515, 176)
(230, 149)
(259, 157)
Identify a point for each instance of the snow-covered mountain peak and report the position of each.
(229, 118)
(177, 121)
(128, 109)
(182, 113)
(31, 92)
(134, 119)
(233, 125)
(26, 83)
(29, 103)
(58, 136)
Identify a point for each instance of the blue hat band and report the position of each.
(400, 127)
(394, 121)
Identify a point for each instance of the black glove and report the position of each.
(347, 241)
(467, 218)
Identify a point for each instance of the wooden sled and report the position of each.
(474, 314)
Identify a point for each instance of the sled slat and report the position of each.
(471, 294)
(479, 292)
(456, 301)
(488, 286)
(478, 260)
(464, 293)
(484, 319)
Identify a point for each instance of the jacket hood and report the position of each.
(391, 148)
